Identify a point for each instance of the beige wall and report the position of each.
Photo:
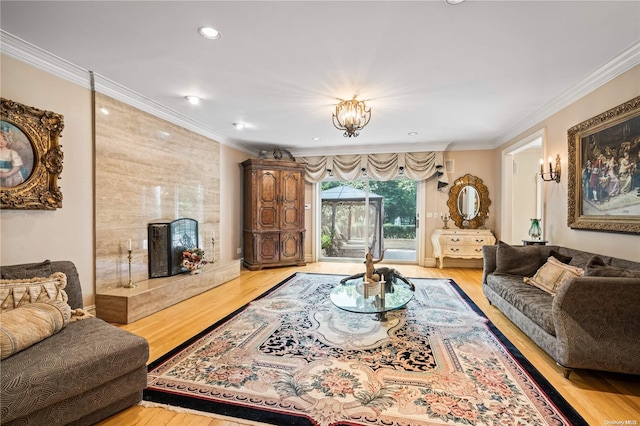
(66, 233)
(231, 190)
(479, 163)
(616, 92)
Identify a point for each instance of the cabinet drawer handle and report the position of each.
(455, 240)
(479, 240)
(455, 250)
(478, 250)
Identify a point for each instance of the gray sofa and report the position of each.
(592, 322)
(81, 375)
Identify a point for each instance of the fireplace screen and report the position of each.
(167, 241)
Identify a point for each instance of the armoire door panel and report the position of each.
(268, 247)
(290, 187)
(267, 218)
(268, 182)
(290, 246)
(290, 218)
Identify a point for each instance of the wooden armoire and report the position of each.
(273, 213)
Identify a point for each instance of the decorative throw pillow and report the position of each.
(15, 293)
(552, 275)
(561, 257)
(29, 324)
(597, 267)
(523, 261)
(17, 272)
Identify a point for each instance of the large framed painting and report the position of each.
(604, 171)
(30, 157)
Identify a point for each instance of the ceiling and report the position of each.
(467, 76)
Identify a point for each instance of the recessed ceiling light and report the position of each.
(412, 133)
(193, 100)
(239, 125)
(104, 111)
(316, 139)
(454, 1)
(210, 33)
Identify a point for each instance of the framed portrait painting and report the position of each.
(30, 157)
(604, 171)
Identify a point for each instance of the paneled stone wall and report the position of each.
(147, 170)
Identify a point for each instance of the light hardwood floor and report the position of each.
(601, 398)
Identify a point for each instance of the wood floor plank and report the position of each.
(601, 398)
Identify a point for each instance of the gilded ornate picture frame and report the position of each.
(604, 171)
(30, 157)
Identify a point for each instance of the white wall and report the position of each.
(524, 193)
(66, 233)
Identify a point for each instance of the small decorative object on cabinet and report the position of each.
(535, 231)
(460, 243)
(273, 213)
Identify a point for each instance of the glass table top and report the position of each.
(371, 298)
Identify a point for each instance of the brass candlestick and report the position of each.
(213, 250)
(130, 284)
(445, 219)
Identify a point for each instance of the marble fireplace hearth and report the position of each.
(125, 305)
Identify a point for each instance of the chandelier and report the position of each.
(351, 116)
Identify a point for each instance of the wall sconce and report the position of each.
(552, 174)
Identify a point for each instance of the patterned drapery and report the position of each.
(412, 165)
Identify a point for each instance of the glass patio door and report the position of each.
(361, 215)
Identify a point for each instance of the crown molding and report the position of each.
(33, 55)
(39, 58)
(622, 63)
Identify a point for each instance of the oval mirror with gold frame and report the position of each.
(469, 202)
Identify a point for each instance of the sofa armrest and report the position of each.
(488, 261)
(597, 324)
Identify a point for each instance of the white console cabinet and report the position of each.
(460, 243)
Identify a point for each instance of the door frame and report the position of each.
(536, 139)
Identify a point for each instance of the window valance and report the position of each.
(412, 165)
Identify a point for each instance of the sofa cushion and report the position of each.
(29, 324)
(523, 261)
(82, 356)
(597, 267)
(581, 258)
(31, 270)
(531, 301)
(561, 257)
(16, 293)
(552, 275)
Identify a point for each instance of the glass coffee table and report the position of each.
(377, 298)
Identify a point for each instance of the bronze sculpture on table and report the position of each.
(373, 274)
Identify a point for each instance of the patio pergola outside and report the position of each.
(351, 232)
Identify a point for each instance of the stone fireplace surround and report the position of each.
(150, 170)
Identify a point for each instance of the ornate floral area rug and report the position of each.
(292, 358)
